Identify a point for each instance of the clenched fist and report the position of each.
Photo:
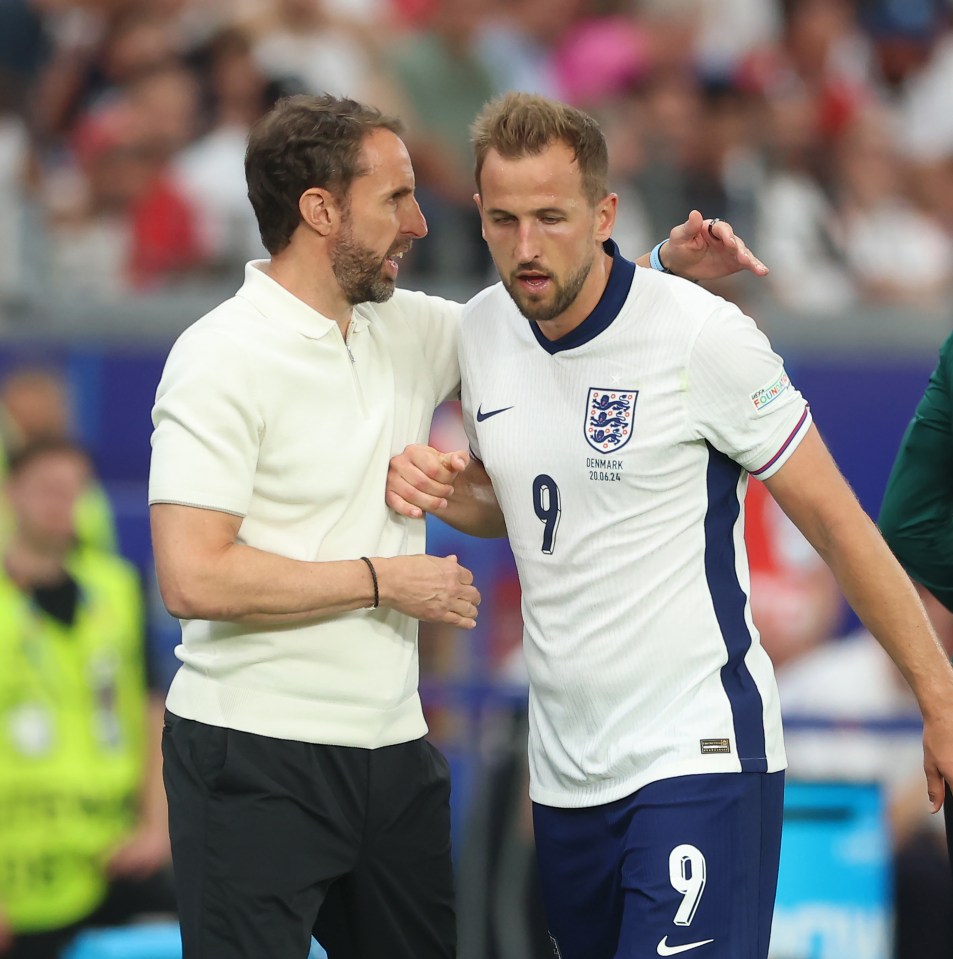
(429, 588)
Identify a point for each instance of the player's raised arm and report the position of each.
(703, 249)
(810, 489)
(454, 486)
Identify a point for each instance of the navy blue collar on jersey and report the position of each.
(607, 309)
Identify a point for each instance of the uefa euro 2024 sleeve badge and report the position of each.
(609, 415)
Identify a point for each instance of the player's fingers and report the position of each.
(469, 594)
(691, 229)
(465, 610)
(461, 622)
(433, 478)
(432, 483)
(399, 494)
(722, 231)
(936, 787)
(456, 461)
(399, 505)
(747, 259)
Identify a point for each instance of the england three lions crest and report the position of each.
(609, 415)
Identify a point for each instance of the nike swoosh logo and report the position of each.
(664, 949)
(481, 416)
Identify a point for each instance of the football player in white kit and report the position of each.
(617, 413)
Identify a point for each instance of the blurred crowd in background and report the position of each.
(820, 128)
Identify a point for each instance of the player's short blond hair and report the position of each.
(517, 125)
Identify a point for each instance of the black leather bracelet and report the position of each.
(377, 594)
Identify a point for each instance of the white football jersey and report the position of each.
(620, 456)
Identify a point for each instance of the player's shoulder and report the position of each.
(486, 306)
(679, 297)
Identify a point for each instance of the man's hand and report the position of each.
(142, 855)
(420, 480)
(701, 249)
(938, 755)
(429, 588)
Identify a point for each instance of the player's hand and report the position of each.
(420, 480)
(707, 249)
(430, 588)
(143, 854)
(938, 756)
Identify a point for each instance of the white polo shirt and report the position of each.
(263, 411)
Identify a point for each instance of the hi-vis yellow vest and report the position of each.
(72, 742)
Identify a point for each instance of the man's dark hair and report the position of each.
(19, 459)
(304, 142)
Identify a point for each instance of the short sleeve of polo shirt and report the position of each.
(439, 320)
(206, 433)
(739, 397)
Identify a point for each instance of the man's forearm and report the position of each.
(247, 585)
(204, 573)
(473, 507)
(881, 594)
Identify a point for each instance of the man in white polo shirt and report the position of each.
(302, 794)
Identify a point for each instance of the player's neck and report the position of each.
(585, 302)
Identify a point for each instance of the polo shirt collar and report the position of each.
(282, 308)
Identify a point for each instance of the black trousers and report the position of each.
(273, 840)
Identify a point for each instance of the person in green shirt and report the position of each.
(916, 516)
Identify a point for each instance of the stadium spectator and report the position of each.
(83, 831)
(210, 170)
(435, 80)
(35, 407)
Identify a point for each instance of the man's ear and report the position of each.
(319, 210)
(605, 216)
(478, 200)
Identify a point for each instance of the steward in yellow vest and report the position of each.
(74, 710)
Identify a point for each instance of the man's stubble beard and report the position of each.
(564, 295)
(359, 270)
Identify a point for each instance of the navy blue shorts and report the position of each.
(685, 866)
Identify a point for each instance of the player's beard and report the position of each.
(359, 269)
(563, 297)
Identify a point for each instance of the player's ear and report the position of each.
(478, 200)
(605, 216)
(319, 210)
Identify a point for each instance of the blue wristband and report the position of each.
(655, 260)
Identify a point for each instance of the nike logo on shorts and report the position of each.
(664, 949)
(481, 416)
